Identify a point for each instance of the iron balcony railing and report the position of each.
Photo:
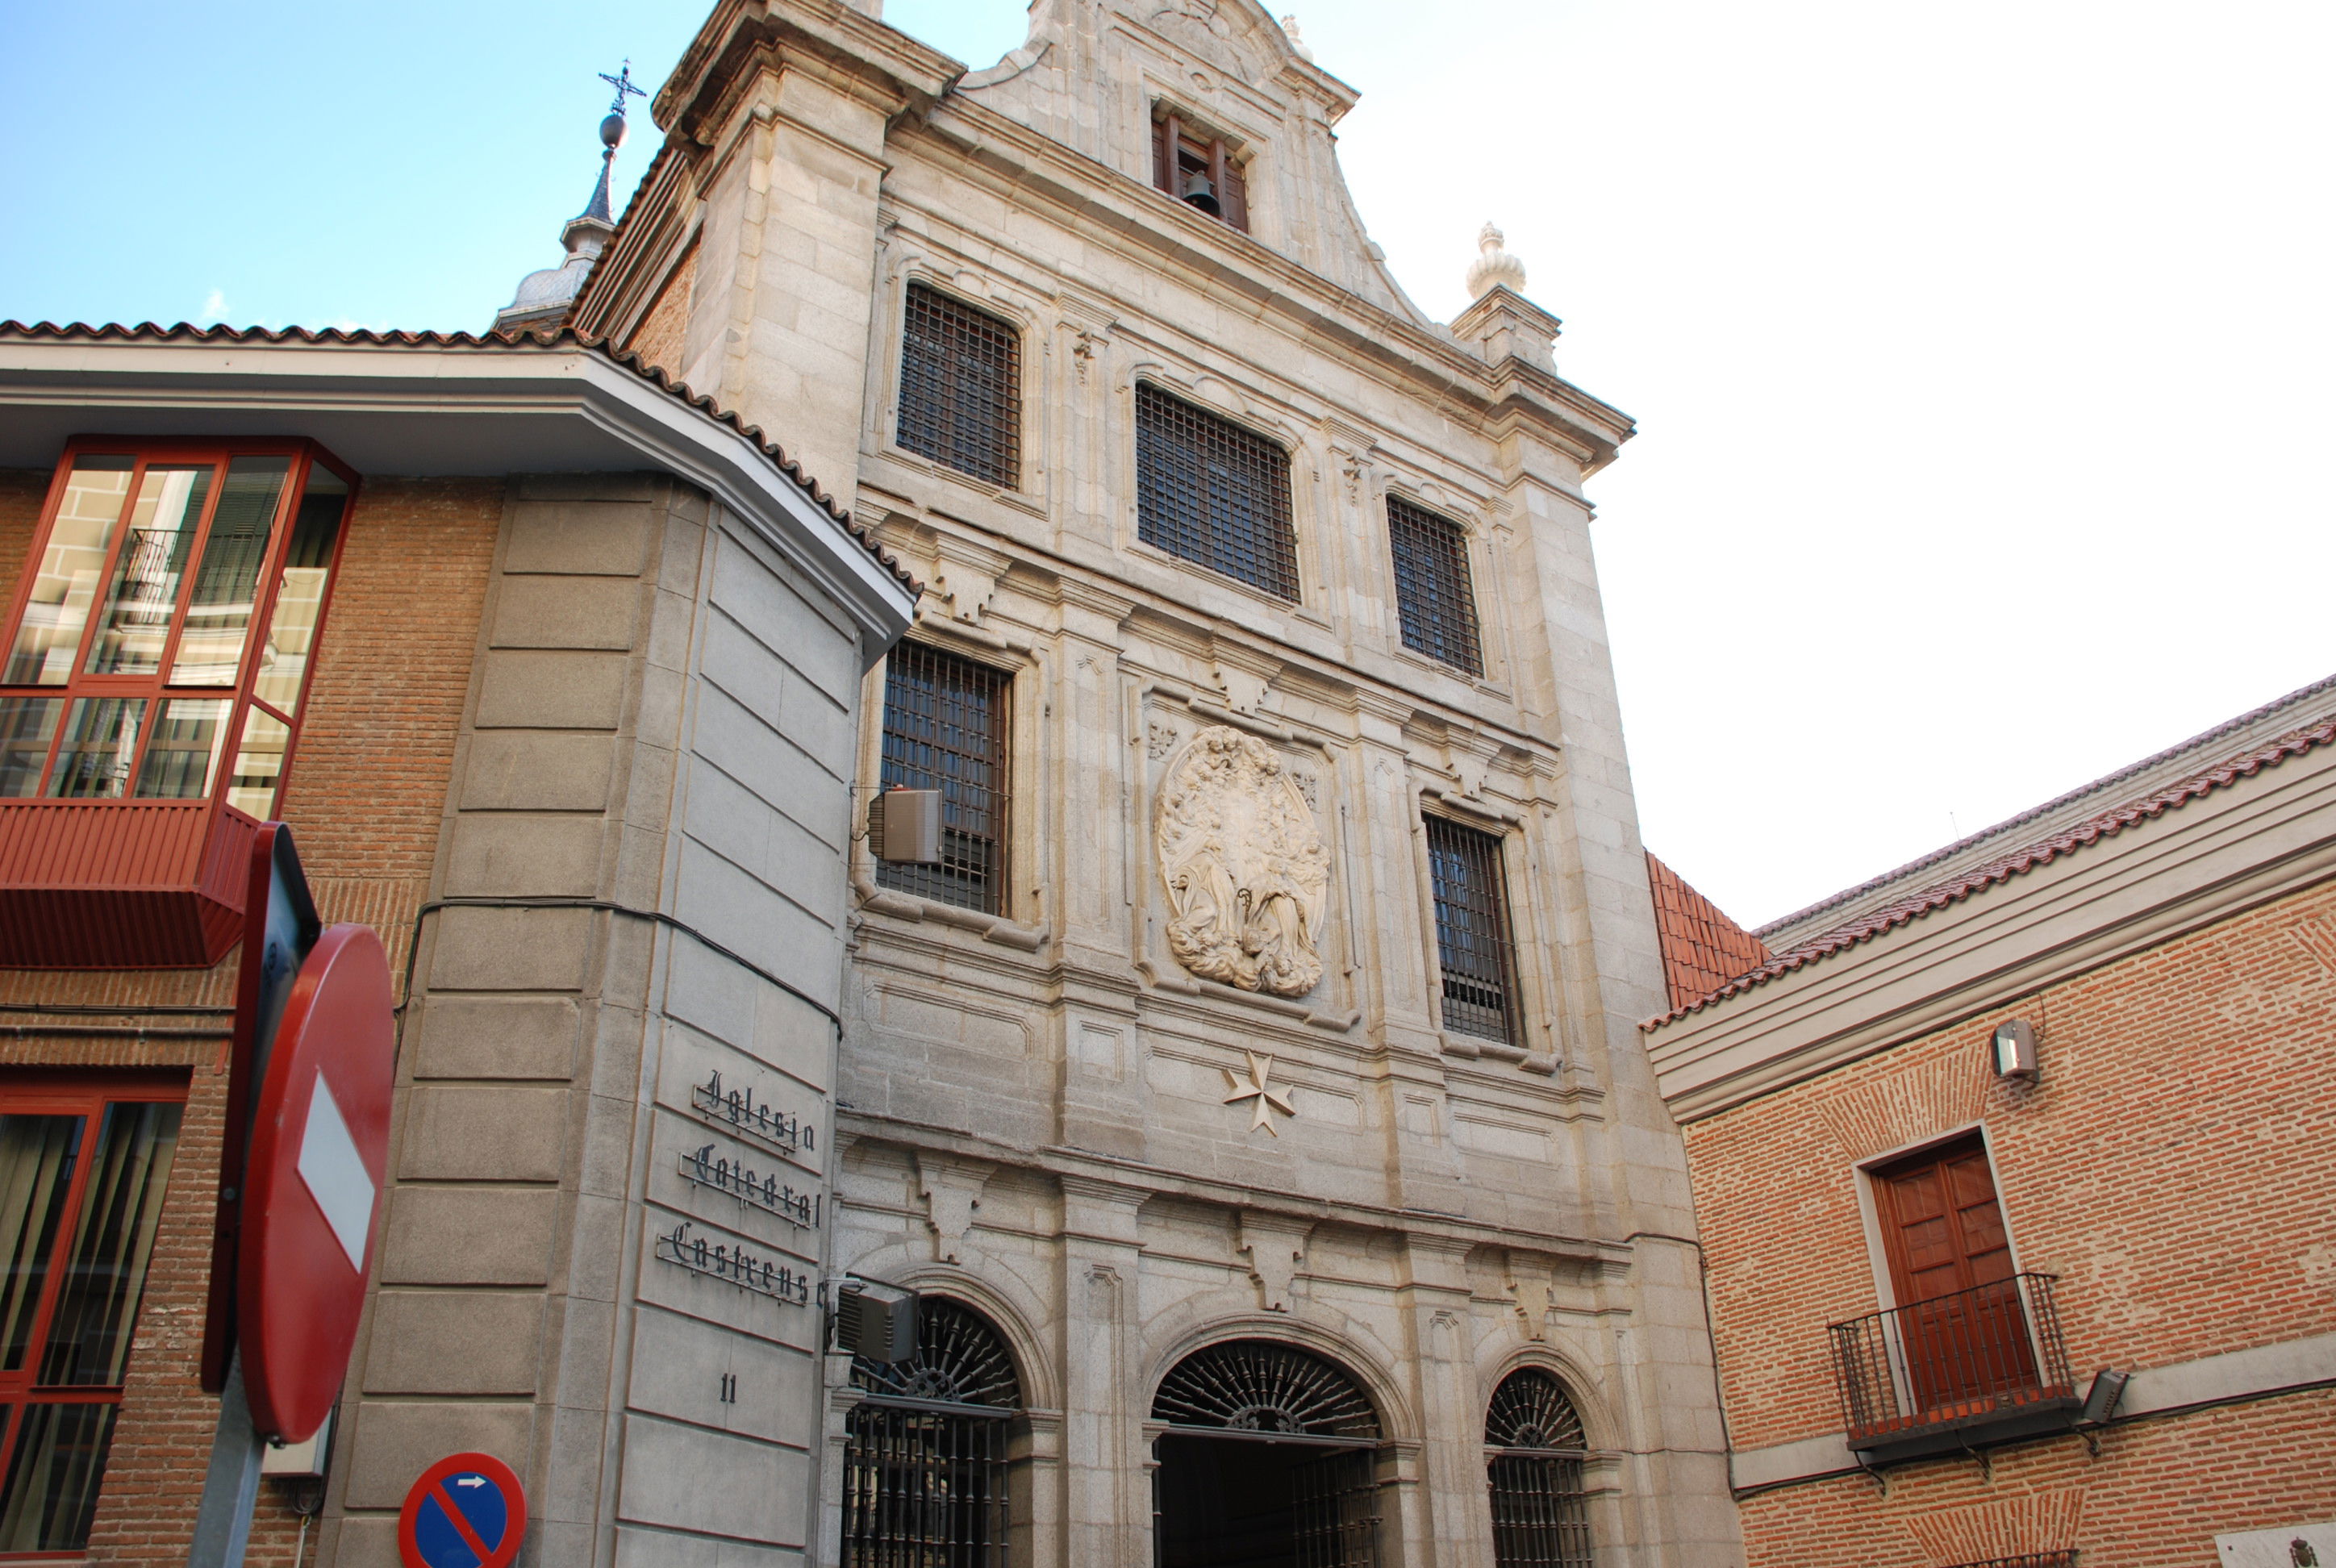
(1973, 1366)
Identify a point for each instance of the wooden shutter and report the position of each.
(1963, 1327)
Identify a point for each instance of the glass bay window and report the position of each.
(161, 642)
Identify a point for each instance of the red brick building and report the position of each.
(2050, 1103)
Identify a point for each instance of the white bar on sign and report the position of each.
(336, 1174)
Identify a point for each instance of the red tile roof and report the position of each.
(1703, 949)
(2106, 825)
(564, 337)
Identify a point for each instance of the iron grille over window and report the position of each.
(1262, 1386)
(1214, 493)
(1433, 597)
(1473, 945)
(924, 1455)
(1541, 1516)
(2067, 1559)
(960, 387)
(945, 729)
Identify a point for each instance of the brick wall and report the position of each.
(22, 491)
(2171, 1168)
(2155, 1497)
(658, 339)
(366, 792)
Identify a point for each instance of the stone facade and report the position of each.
(1032, 1102)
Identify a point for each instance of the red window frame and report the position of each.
(305, 458)
(43, 1093)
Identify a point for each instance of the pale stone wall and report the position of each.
(1031, 1111)
(638, 885)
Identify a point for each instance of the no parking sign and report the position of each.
(467, 1511)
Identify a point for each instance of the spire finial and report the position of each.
(1297, 39)
(1495, 266)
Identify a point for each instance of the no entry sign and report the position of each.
(467, 1511)
(319, 1163)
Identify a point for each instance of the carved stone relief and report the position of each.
(1247, 873)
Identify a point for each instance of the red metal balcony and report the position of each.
(122, 884)
(1977, 1366)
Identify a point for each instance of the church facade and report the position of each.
(1252, 1090)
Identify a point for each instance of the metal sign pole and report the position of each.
(231, 1485)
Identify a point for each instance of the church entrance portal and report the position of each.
(1268, 1461)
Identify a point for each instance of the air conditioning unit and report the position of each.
(876, 1321)
(904, 825)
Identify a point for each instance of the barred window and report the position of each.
(960, 387)
(1433, 597)
(945, 729)
(1473, 945)
(1214, 493)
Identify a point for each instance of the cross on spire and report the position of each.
(623, 82)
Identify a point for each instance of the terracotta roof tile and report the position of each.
(1702, 948)
(2106, 825)
(549, 338)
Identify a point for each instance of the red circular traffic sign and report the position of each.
(467, 1511)
(313, 1185)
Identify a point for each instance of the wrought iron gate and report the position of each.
(924, 1455)
(1338, 1511)
(1541, 1516)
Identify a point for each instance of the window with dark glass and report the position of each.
(961, 387)
(1433, 597)
(83, 1173)
(161, 642)
(1199, 169)
(1473, 945)
(1214, 493)
(945, 729)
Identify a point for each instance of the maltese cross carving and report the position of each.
(1258, 1088)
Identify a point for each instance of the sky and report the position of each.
(1977, 349)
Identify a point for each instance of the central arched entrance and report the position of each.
(1267, 1462)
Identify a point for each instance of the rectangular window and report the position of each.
(1199, 169)
(83, 1173)
(945, 729)
(961, 387)
(1214, 493)
(132, 659)
(1433, 596)
(1473, 946)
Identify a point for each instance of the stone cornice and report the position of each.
(1424, 1227)
(2258, 840)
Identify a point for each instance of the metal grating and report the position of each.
(1473, 945)
(945, 729)
(961, 387)
(925, 1454)
(1957, 1361)
(1261, 1387)
(961, 1360)
(1541, 1514)
(1215, 493)
(1336, 1519)
(2064, 1559)
(1433, 598)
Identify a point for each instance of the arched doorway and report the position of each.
(1541, 1516)
(1267, 1462)
(924, 1454)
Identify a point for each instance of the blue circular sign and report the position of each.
(467, 1511)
